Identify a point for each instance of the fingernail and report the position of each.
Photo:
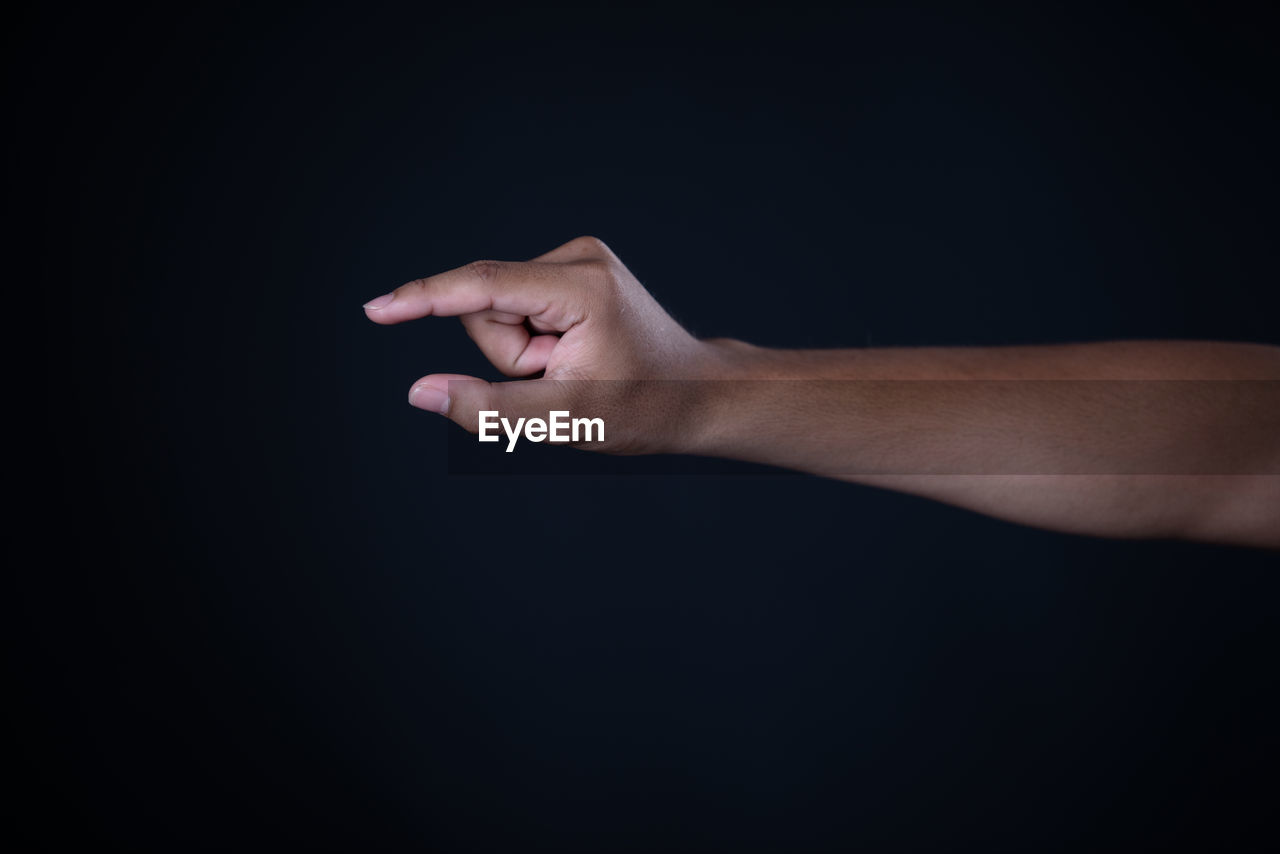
(380, 302)
(430, 399)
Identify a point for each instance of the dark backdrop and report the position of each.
(264, 616)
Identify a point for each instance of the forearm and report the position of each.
(1121, 439)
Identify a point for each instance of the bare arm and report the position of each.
(1124, 439)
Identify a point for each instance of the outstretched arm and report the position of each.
(1125, 439)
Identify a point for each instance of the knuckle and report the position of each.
(485, 271)
(591, 245)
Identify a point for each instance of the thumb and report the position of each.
(461, 398)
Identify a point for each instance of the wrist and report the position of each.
(725, 387)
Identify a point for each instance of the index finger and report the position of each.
(528, 288)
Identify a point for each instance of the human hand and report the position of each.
(581, 319)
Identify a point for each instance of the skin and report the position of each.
(1176, 439)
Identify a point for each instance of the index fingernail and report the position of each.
(380, 302)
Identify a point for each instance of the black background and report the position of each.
(264, 616)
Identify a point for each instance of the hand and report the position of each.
(578, 316)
